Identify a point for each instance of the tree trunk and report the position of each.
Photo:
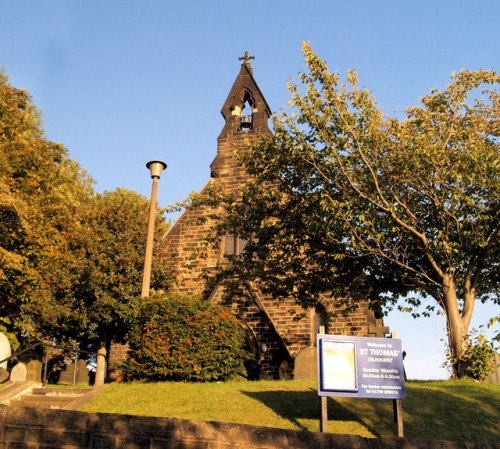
(457, 327)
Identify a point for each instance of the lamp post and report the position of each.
(155, 168)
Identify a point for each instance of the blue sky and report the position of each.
(122, 82)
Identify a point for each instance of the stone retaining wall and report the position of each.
(27, 428)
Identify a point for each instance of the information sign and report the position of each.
(362, 367)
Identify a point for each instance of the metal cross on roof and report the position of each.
(246, 57)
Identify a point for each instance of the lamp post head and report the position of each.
(156, 168)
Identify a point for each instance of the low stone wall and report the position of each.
(27, 428)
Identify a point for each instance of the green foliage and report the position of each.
(116, 226)
(70, 260)
(181, 338)
(41, 193)
(347, 200)
(478, 356)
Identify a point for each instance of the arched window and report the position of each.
(246, 119)
(247, 110)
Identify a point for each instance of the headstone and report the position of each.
(19, 373)
(5, 351)
(34, 370)
(82, 374)
(4, 375)
(306, 364)
(285, 372)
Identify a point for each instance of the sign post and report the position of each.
(362, 367)
(323, 422)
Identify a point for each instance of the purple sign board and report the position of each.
(361, 367)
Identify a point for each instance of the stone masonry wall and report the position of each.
(273, 325)
(117, 354)
(28, 428)
(186, 236)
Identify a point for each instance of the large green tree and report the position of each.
(70, 259)
(347, 200)
(116, 226)
(41, 192)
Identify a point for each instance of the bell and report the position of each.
(246, 122)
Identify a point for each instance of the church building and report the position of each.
(277, 340)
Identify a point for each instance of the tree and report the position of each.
(116, 223)
(347, 200)
(41, 191)
(70, 259)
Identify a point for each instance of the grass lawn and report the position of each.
(445, 410)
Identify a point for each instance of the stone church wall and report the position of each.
(276, 335)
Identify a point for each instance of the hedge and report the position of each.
(184, 339)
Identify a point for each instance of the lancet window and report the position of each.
(233, 245)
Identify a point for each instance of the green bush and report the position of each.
(184, 339)
(478, 356)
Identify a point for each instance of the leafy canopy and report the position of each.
(347, 200)
(116, 223)
(41, 193)
(70, 260)
(184, 339)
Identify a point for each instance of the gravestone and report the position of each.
(34, 370)
(19, 373)
(5, 351)
(82, 374)
(306, 363)
(285, 372)
(4, 375)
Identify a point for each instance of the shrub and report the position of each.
(478, 356)
(184, 339)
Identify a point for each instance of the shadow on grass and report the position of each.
(296, 406)
(459, 413)
(464, 413)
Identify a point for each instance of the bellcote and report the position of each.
(246, 115)
(245, 109)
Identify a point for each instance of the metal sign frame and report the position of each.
(362, 367)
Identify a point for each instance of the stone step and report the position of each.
(14, 389)
(48, 398)
(37, 401)
(61, 391)
(53, 398)
(40, 405)
(42, 398)
(45, 406)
